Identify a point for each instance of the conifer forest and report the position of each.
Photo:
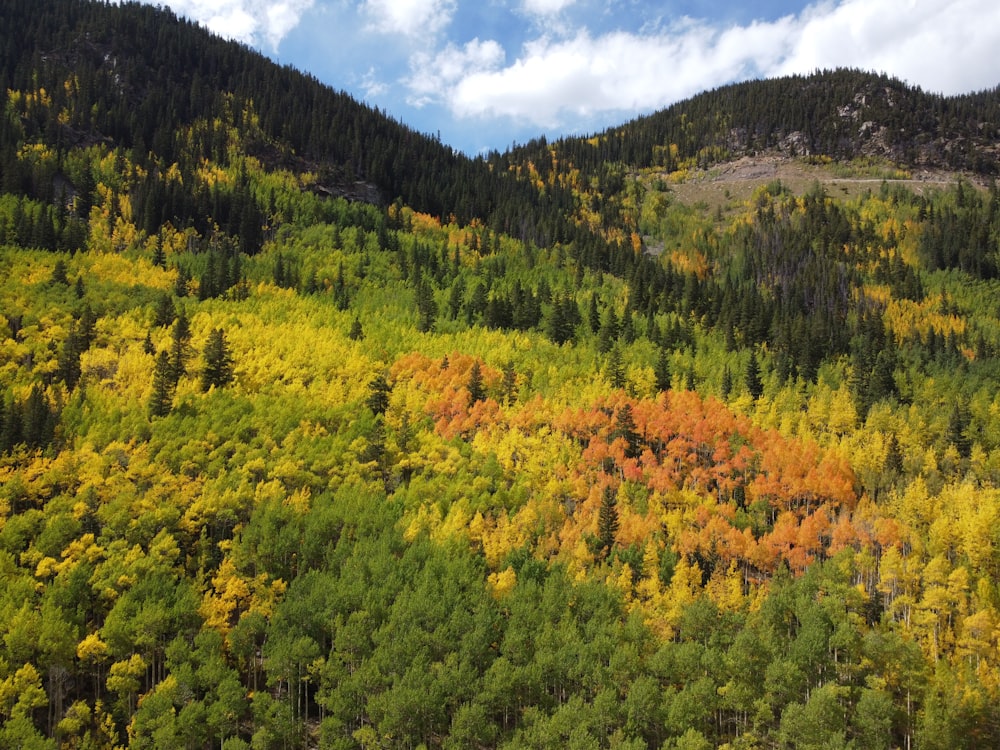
(316, 433)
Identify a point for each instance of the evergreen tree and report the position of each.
(38, 419)
(727, 382)
(159, 255)
(426, 305)
(59, 273)
(378, 394)
(477, 392)
(181, 284)
(607, 521)
(69, 357)
(893, 465)
(615, 368)
(608, 333)
(164, 312)
(509, 382)
(957, 435)
(594, 315)
(754, 385)
(162, 398)
(625, 428)
(218, 368)
(661, 370)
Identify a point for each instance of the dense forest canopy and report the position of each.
(314, 433)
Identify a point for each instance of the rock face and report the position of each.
(358, 191)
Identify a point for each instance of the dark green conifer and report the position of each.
(754, 385)
(477, 391)
(218, 368)
(607, 521)
(162, 398)
(378, 394)
(661, 370)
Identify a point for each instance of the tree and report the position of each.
(426, 305)
(162, 399)
(218, 369)
(357, 332)
(616, 368)
(958, 422)
(662, 370)
(59, 273)
(607, 520)
(727, 383)
(378, 394)
(754, 385)
(477, 391)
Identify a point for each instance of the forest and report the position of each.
(317, 434)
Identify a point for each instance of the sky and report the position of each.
(488, 74)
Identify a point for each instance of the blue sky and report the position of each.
(485, 74)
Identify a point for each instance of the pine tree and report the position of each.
(426, 305)
(754, 385)
(218, 368)
(607, 521)
(662, 370)
(164, 312)
(727, 382)
(625, 429)
(69, 357)
(476, 390)
(162, 398)
(958, 423)
(616, 368)
(182, 282)
(509, 382)
(378, 394)
(59, 273)
(893, 464)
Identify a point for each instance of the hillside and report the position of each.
(314, 433)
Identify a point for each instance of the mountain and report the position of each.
(841, 114)
(314, 433)
(140, 74)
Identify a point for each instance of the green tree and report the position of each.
(607, 520)
(662, 370)
(218, 368)
(162, 398)
(477, 391)
(378, 394)
(754, 385)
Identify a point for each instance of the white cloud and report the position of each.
(249, 21)
(941, 45)
(434, 76)
(409, 17)
(545, 7)
(944, 46)
(372, 85)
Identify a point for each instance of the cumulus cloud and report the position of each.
(409, 17)
(545, 7)
(256, 22)
(944, 46)
(941, 45)
(433, 76)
